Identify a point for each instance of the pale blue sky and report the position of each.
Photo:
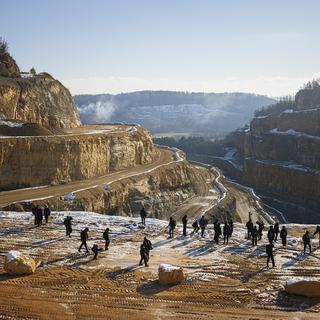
(269, 47)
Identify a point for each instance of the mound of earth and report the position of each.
(14, 128)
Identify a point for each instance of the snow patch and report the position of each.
(132, 131)
(292, 132)
(13, 255)
(69, 197)
(167, 267)
(11, 124)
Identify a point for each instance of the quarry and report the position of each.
(102, 175)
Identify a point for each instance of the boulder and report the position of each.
(303, 287)
(17, 263)
(169, 274)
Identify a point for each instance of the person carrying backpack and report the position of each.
(84, 237)
(148, 245)
(95, 249)
(143, 256)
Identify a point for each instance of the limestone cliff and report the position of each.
(161, 191)
(34, 161)
(280, 155)
(40, 99)
(34, 98)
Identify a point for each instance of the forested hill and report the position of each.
(172, 111)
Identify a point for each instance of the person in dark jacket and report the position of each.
(249, 226)
(271, 234)
(172, 226)
(195, 227)
(217, 231)
(269, 251)
(184, 225)
(143, 255)
(95, 249)
(254, 236)
(231, 227)
(276, 231)
(34, 212)
(143, 215)
(84, 237)
(106, 239)
(260, 229)
(283, 235)
(39, 214)
(68, 224)
(317, 232)
(306, 242)
(47, 213)
(148, 245)
(203, 222)
(226, 233)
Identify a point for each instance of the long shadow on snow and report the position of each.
(239, 248)
(153, 287)
(162, 243)
(245, 278)
(207, 248)
(116, 273)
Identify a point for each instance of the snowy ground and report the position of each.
(237, 269)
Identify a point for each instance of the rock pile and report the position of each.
(303, 287)
(169, 274)
(17, 263)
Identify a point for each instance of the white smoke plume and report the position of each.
(98, 112)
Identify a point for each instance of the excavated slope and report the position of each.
(35, 161)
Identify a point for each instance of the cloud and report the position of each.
(267, 85)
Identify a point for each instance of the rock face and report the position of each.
(40, 99)
(17, 263)
(303, 287)
(161, 191)
(169, 274)
(35, 161)
(280, 156)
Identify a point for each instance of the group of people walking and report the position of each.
(254, 233)
(202, 224)
(95, 248)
